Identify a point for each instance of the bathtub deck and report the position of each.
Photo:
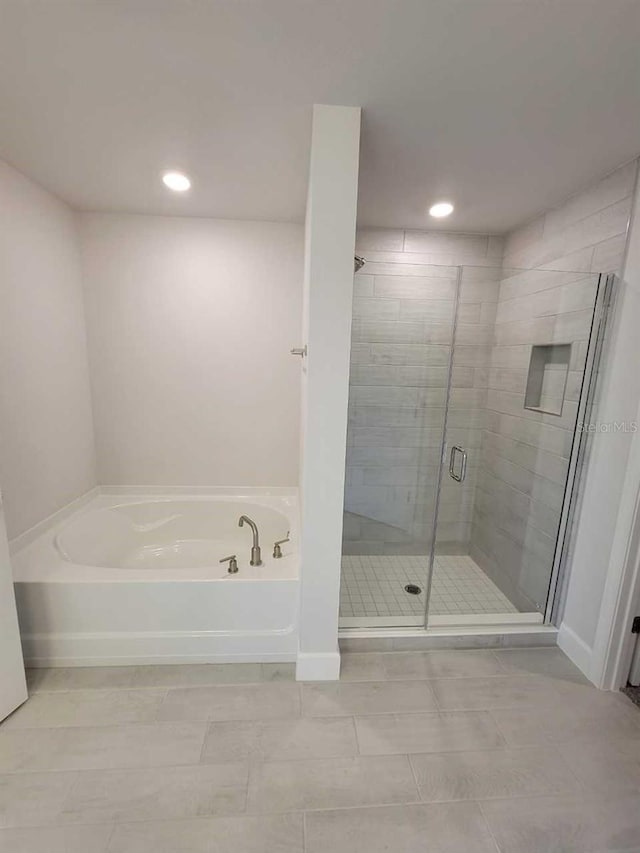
(451, 750)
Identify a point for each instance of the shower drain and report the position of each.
(412, 589)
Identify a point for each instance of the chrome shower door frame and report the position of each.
(443, 454)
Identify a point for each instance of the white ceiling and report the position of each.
(502, 106)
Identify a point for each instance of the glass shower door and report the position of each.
(402, 336)
(522, 358)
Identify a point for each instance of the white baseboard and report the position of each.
(318, 667)
(576, 650)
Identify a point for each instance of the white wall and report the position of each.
(190, 322)
(46, 435)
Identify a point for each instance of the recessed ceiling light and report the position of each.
(442, 208)
(176, 181)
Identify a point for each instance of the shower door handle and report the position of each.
(459, 478)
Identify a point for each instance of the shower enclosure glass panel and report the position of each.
(466, 388)
(402, 335)
(506, 456)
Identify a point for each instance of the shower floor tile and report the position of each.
(374, 587)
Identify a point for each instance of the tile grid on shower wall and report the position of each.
(402, 334)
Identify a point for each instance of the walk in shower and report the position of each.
(467, 385)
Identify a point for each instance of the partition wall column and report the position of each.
(328, 288)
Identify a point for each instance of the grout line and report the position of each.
(302, 811)
(76, 778)
(527, 444)
(588, 276)
(110, 838)
(338, 806)
(415, 778)
(503, 669)
(478, 804)
(304, 830)
(205, 735)
(505, 742)
(355, 730)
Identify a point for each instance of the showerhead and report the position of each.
(358, 263)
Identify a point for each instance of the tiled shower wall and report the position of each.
(401, 346)
(525, 453)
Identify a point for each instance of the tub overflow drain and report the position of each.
(412, 589)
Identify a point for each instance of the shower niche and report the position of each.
(547, 378)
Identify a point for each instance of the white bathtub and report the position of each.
(136, 578)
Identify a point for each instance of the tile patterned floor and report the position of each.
(455, 751)
(374, 587)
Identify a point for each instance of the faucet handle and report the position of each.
(277, 550)
(233, 564)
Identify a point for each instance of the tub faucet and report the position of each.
(256, 559)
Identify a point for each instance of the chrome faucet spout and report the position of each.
(256, 557)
